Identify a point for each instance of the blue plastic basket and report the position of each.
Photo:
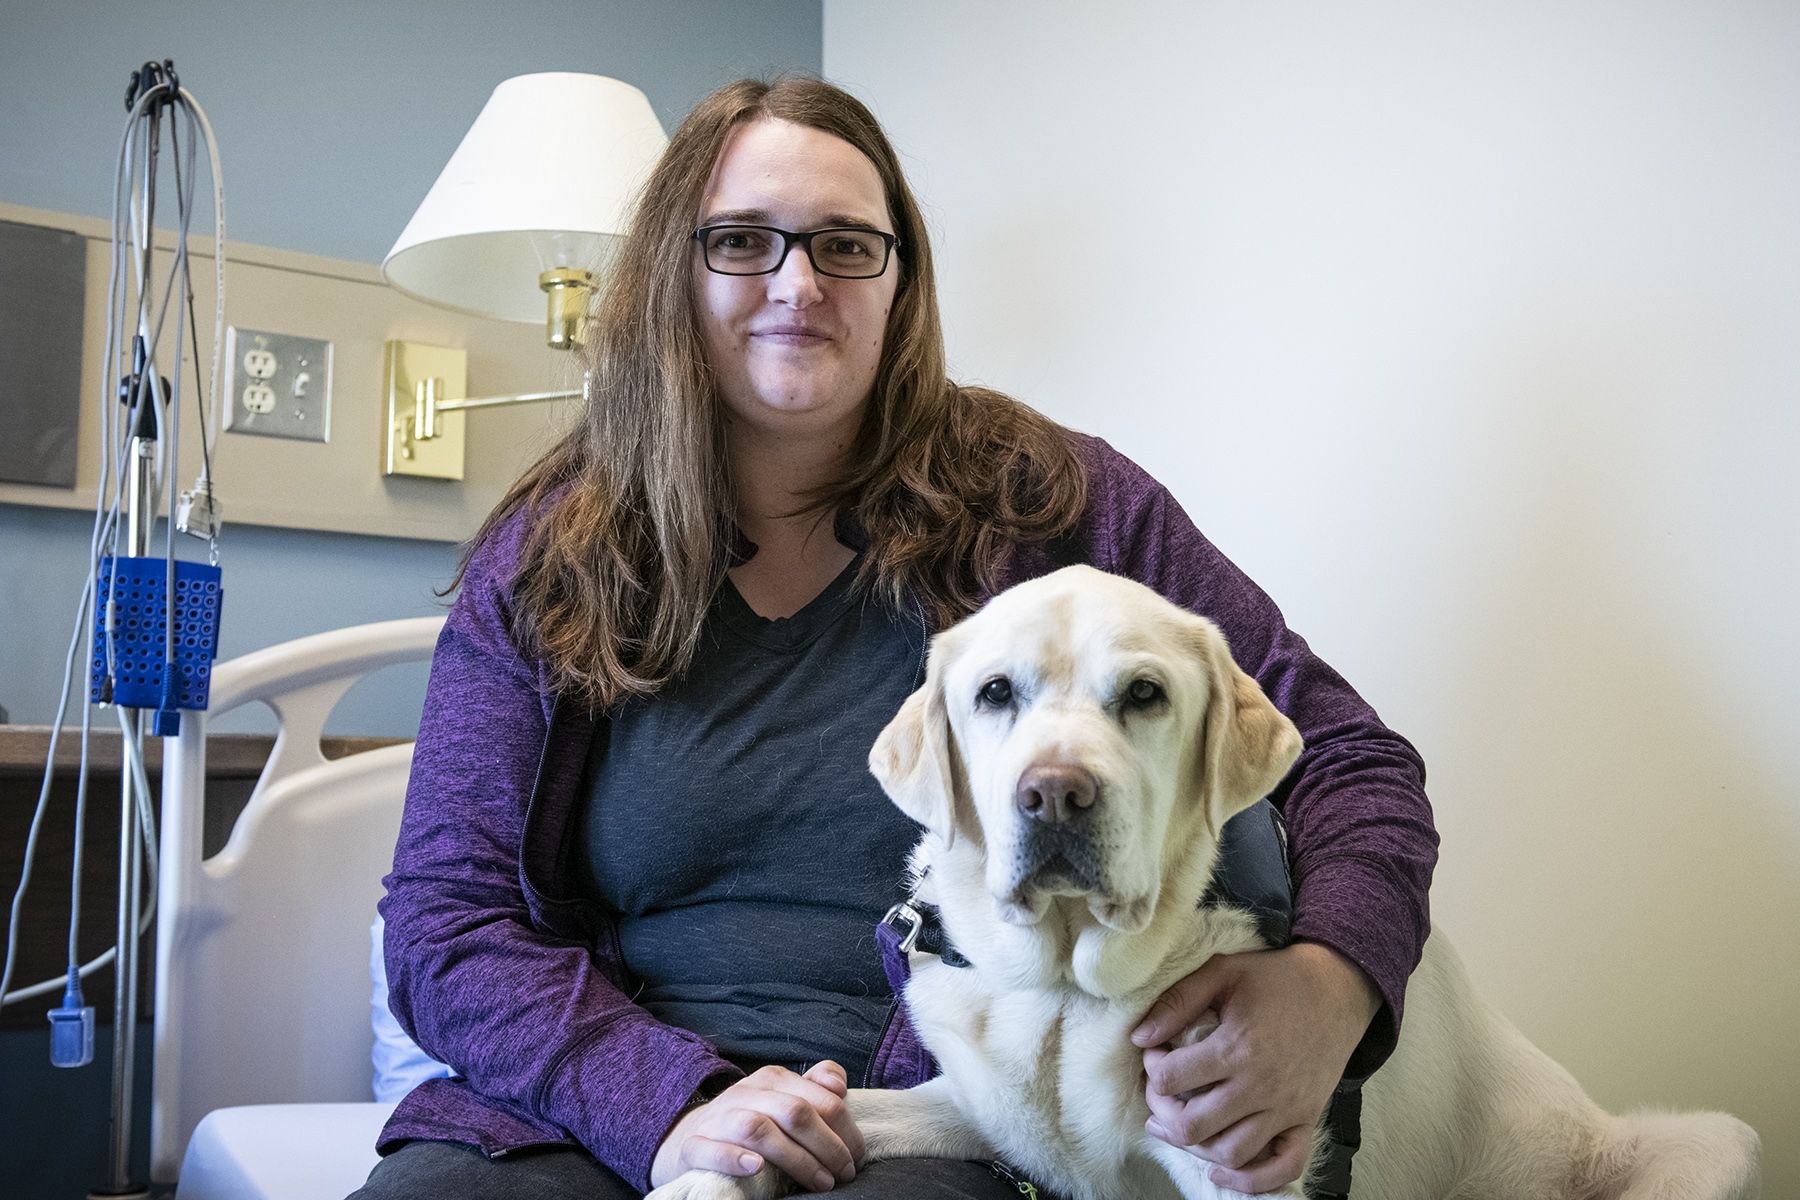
(137, 588)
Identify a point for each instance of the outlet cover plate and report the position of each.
(293, 400)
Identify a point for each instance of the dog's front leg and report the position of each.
(918, 1122)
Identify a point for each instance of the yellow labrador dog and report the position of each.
(1077, 747)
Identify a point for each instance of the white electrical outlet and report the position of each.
(259, 364)
(279, 386)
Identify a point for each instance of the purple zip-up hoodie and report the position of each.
(495, 966)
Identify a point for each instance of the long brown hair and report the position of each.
(630, 515)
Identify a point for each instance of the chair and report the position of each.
(262, 951)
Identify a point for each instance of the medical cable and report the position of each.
(105, 521)
(210, 427)
(105, 517)
(206, 401)
(133, 233)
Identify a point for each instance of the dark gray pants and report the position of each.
(453, 1171)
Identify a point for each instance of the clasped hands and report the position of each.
(798, 1123)
(1244, 1098)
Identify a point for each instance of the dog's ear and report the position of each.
(917, 764)
(1246, 743)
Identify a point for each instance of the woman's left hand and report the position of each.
(1247, 1097)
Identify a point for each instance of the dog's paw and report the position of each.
(709, 1185)
(698, 1185)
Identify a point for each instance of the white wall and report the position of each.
(1470, 331)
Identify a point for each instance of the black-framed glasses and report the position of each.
(761, 249)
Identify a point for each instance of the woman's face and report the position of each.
(795, 352)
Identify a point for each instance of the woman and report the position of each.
(641, 857)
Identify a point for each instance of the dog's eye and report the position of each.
(997, 692)
(1143, 693)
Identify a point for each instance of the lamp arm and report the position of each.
(498, 401)
(422, 381)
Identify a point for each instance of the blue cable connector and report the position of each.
(72, 1027)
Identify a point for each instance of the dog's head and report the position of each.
(1084, 736)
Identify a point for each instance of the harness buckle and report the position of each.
(909, 921)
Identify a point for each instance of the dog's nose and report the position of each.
(1055, 792)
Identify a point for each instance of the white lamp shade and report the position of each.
(543, 179)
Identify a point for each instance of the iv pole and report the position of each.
(125, 966)
(142, 394)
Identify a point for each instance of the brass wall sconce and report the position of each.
(517, 226)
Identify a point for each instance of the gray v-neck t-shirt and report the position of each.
(731, 823)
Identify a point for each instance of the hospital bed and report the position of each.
(262, 1075)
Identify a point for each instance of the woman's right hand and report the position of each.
(798, 1123)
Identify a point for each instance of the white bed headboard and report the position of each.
(262, 982)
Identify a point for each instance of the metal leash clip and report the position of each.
(909, 921)
(1025, 1187)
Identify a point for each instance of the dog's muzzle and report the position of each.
(1062, 857)
(1056, 803)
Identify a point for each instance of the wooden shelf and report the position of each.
(228, 755)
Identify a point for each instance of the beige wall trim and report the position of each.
(338, 485)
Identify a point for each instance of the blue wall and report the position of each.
(333, 118)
